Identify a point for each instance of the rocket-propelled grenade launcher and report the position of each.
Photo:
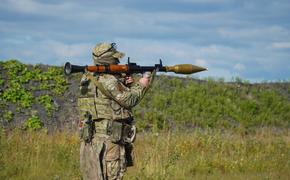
(132, 68)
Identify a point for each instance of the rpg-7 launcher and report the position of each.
(132, 68)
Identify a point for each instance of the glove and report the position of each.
(85, 81)
(147, 74)
(145, 80)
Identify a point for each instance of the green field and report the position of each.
(200, 154)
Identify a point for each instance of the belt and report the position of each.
(105, 125)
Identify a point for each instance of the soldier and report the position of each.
(107, 124)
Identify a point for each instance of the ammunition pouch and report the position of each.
(121, 132)
(87, 128)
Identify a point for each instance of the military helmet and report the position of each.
(106, 53)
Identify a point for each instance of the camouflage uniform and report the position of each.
(105, 157)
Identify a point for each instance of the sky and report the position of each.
(232, 38)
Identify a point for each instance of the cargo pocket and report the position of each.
(113, 151)
(115, 131)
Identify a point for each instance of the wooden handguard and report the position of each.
(108, 69)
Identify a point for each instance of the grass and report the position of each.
(202, 154)
(36, 155)
(213, 154)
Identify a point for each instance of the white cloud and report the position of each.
(151, 50)
(239, 67)
(36, 7)
(281, 45)
(51, 52)
(183, 52)
(62, 50)
(268, 32)
(25, 6)
(201, 62)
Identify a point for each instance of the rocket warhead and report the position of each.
(184, 69)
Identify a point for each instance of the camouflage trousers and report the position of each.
(102, 160)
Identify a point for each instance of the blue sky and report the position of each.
(246, 38)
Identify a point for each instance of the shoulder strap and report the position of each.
(104, 91)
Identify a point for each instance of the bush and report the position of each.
(8, 116)
(33, 123)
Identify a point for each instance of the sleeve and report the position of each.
(130, 97)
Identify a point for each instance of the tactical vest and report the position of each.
(99, 105)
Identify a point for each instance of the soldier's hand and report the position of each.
(129, 80)
(145, 80)
(84, 81)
